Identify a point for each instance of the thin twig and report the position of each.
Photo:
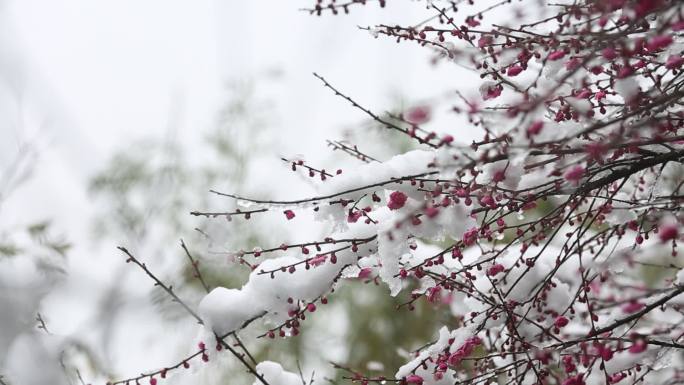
(167, 289)
(195, 266)
(220, 339)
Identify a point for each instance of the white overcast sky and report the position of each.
(92, 76)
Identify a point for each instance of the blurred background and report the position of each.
(117, 117)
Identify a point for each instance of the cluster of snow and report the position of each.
(506, 173)
(275, 295)
(365, 179)
(226, 310)
(274, 374)
(447, 340)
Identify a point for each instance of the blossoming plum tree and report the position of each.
(552, 241)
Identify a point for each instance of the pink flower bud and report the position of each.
(574, 174)
(535, 128)
(514, 70)
(447, 139)
(418, 115)
(556, 55)
(659, 42)
(397, 200)
(434, 294)
(625, 72)
(596, 70)
(639, 346)
(668, 232)
(484, 41)
(573, 64)
(609, 53)
(574, 380)
(317, 260)
(606, 353)
(632, 307)
(365, 273)
(487, 200)
(595, 150)
(584, 94)
(354, 217)
(492, 92)
(560, 321)
(289, 214)
(431, 212)
(674, 62)
(494, 270)
(472, 22)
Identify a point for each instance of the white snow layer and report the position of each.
(226, 310)
(274, 374)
